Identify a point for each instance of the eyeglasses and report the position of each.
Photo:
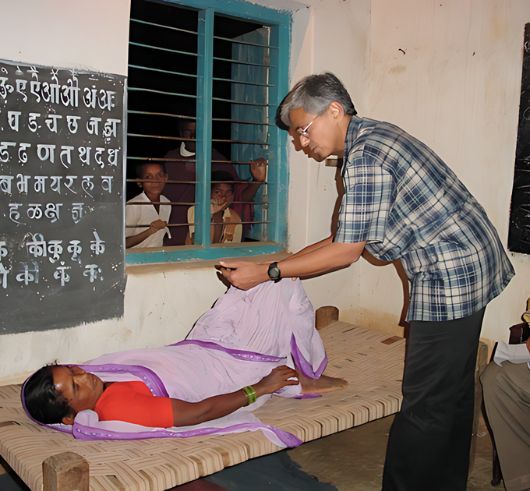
(305, 130)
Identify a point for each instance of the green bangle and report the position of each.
(250, 393)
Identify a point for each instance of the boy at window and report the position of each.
(146, 215)
(226, 223)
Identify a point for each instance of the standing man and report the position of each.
(403, 202)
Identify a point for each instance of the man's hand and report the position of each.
(244, 274)
(528, 344)
(258, 169)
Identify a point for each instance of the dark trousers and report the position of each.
(429, 442)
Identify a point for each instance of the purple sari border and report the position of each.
(303, 365)
(308, 395)
(87, 433)
(236, 353)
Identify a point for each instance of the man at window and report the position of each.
(182, 169)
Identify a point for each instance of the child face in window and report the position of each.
(153, 180)
(222, 194)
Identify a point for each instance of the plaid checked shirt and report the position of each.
(404, 201)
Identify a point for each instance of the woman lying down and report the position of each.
(250, 345)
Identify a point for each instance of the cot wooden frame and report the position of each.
(372, 362)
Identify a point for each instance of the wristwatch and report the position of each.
(274, 272)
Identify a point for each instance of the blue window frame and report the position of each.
(255, 91)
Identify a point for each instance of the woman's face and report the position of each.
(81, 389)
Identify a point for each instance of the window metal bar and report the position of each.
(179, 138)
(235, 81)
(160, 48)
(249, 43)
(178, 160)
(193, 223)
(161, 159)
(238, 162)
(208, 223)
(242, 142)
(169, 115)
(229, 120)
(239, 62)
(160, 70)
(163, 92)
(169, 181)
(240, 103)
(190, 203)
(178, 181)
(158, 137)
(180, 29)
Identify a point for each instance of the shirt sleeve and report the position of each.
(133, 407)
(367, 200)
(132, 216)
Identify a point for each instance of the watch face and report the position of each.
(274, 272)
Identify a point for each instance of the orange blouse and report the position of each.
(133, 402)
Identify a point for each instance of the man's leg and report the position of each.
(424, 450)
(507, 400)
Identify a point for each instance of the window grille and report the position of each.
(220, 69)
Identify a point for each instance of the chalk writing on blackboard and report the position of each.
(61, 197)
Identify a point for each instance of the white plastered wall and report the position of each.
(161, 303)
(449, 72)
(464, 106)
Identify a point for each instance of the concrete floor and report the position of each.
(348, 461)
(353, 459)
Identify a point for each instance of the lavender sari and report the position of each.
(236, 343)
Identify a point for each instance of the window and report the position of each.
(205, 79)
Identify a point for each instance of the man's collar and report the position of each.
(184, 152)
(353, 130)
(351, 135)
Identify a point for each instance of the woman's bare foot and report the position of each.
(321, 385)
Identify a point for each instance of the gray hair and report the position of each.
(314, 94)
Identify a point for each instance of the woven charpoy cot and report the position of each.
(371, 361)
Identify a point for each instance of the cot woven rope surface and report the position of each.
(370, 360)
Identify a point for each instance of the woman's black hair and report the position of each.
(42, 401)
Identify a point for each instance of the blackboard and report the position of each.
(61, 197)
(519, 233)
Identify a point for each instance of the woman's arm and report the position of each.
(190, 413)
